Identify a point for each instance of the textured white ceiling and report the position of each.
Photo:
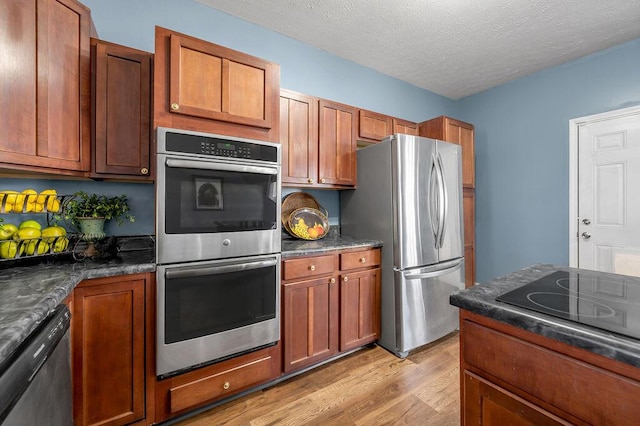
(451, 47)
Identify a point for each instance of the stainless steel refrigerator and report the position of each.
(409, 195)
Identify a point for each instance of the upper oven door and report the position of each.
(209, 209)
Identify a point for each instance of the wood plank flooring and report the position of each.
(368, 387)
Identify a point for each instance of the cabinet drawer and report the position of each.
(308, 266)
(585, 391)
(225, 382)
(359, 259)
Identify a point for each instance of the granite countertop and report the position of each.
(292, 247)
(480, 299)
(28, 294)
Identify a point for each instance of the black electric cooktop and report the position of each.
(610, 303)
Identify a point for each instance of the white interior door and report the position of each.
(608, 229)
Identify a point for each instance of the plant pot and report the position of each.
(92, 228)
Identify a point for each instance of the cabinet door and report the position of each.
(310, 322)
(462, 133)
(46, 99)
(299, 138)
(469, 212)
(373, 126)
(122, 107)
(108, 330)
(404, 126)
(214, 82)
(359, 308)
(337, 145)
(488, 404)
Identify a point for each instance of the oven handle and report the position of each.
(209, 270)
(243, 168)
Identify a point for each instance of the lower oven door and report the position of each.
(212, 310)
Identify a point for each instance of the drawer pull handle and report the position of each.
(345, 279)
(363, 259)
(226, 385)
(312, 267)
(332, 281)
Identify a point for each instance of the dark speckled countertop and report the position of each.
(28, 294)
(480, 299)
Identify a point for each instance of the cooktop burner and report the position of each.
(610, 303)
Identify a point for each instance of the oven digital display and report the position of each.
(227, 146)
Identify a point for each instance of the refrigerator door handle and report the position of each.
(444, 204)
(433, 201)
(435, 270)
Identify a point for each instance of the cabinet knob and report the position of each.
(332, 281)
(345, 279)
(226, 386)
(363, 259)
(144, 171)
(309, 180)
(175, 106)
(312, 267)
(322, 180)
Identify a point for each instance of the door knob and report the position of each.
(586, 235)
(586, 221)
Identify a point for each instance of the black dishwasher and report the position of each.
(35, 383)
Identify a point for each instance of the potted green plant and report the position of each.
(90, 212)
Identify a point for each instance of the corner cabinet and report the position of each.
(511, 376)
(45, 98)
(109, 334)
(461, 133)
(331, 304)
(205, 87)
(121, 101)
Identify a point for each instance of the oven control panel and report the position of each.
(218, 147)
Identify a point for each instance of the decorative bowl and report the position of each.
(308, 223)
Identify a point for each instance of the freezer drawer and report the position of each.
(423, 313)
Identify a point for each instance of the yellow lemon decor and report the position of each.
(26, 234)
(36, 247)
(11, 249)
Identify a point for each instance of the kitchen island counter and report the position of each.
(481, 300)
(28, 294)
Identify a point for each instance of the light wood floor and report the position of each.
(369, 387)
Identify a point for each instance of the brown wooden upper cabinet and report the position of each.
(202, 86)
(404, 126)
(318, 140)
(373, 127)
(456, 131)
(45, 97)
(337, 145)
(299, 138)
(121, 94)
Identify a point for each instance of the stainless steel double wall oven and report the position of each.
(218, 247)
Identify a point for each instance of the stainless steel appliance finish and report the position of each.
(409, 196)
(218, 235)
(213, 309)
(35, 384)
(243, 220)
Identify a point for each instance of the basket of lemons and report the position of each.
(30, 201)
(30, 239)
(308, 223)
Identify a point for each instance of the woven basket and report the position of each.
(295, 201)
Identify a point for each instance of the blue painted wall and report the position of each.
(521, 127)
(522, 154)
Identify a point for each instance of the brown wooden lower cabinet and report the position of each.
(108, 349)
(330, 304)
(515, 377)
